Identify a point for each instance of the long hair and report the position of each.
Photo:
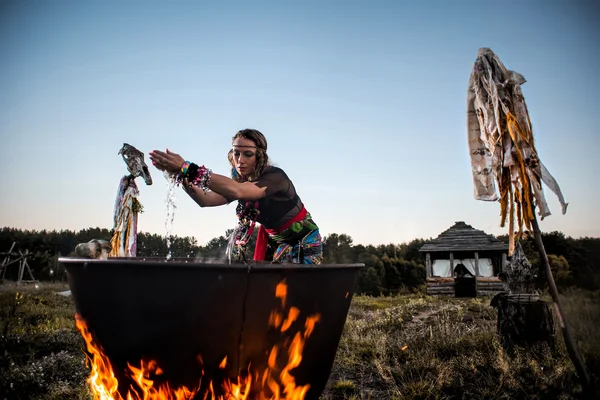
(262, 159)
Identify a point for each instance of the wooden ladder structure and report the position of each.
(21, 259)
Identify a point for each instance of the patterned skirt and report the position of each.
(308, 250)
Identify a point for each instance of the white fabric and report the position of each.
(488, 100)
(485, 265)
(496, 111)
(486, 268)
(469, 263)
(441, 268)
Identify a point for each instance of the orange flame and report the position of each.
(273, 383)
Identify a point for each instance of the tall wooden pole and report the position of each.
(562, 320)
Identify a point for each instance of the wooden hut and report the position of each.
(464, 262)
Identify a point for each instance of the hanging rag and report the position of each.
(505, 164)
(127, 207)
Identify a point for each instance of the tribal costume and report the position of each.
(285, 224)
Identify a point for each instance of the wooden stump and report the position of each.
(523, 320)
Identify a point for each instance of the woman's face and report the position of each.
(244, 156)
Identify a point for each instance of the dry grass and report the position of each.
(40, 350)
(403, 347)
(583, 313)
(443, 348)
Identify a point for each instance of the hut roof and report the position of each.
(463, 237)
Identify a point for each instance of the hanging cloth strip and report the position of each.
(504, 161)
(124, 239)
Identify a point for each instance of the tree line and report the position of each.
(389, 268)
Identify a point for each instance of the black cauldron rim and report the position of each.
(182, 262)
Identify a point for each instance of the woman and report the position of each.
(264, 193)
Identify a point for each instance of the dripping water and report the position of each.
(170, 210)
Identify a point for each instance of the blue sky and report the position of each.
(362, 103)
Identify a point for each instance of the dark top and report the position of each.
(282, 203)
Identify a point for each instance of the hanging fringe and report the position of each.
(503, 154)
(127, 207)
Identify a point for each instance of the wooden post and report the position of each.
(428, 266)
(503, 263)
(5, 262)
(21, 270)
(452, 264)
(476, 272)
(566, 329)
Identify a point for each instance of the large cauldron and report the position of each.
(172, 311)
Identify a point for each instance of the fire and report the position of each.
(104, 384)
(274, 383)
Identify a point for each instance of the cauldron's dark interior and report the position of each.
(172, 311)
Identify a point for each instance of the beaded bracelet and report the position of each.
(184, 168)
(182, 174)
(195, 175)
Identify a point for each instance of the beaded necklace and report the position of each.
(247, 213)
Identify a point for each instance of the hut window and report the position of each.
(486, 268)
(442, 268)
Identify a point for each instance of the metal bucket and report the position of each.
(173, 311)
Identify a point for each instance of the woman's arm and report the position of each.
(230, 189)
(208, 199)
(223, 189)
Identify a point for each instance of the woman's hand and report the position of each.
(169, 161)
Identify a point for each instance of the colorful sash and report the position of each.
(285, 235)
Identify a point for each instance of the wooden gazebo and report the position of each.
(464, 262)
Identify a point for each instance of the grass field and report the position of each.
(402, 347)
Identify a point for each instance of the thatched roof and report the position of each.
(463, 237)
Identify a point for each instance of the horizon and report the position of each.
(371, 96)
(324, 237)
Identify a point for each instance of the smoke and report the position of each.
(223, 256)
